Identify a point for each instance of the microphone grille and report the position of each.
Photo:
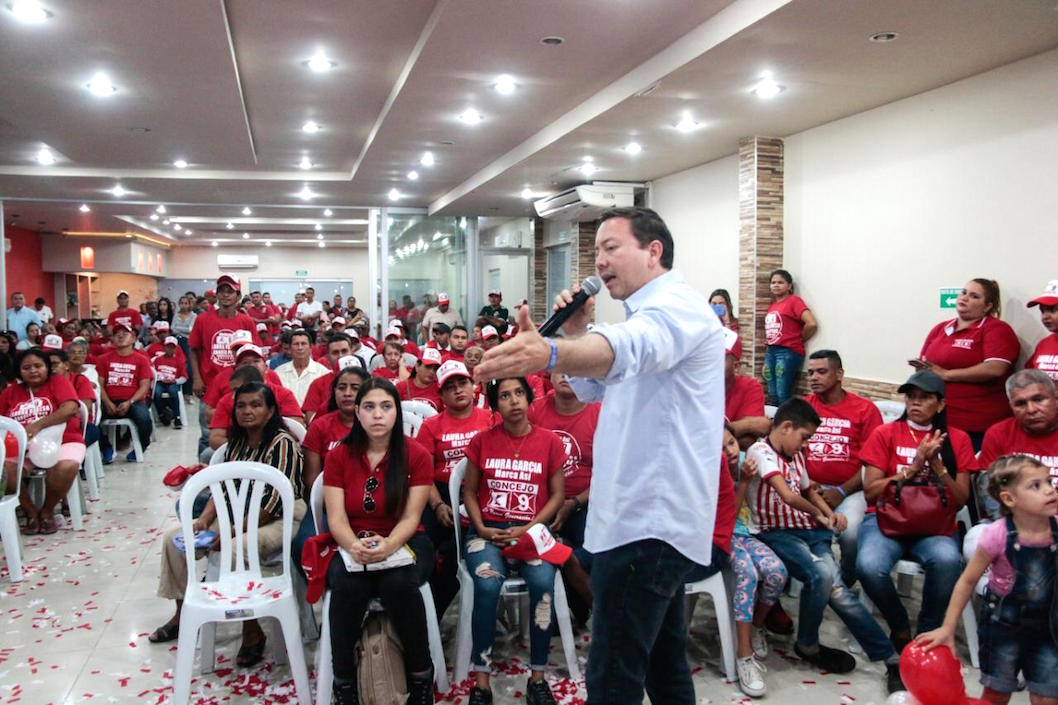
(592, 285)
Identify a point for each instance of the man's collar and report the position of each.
(634, 302)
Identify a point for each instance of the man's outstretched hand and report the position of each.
(525, 353)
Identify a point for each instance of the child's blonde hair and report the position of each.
(1005, 472)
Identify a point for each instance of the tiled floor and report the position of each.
(75, 630)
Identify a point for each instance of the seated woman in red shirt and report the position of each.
(393, 369)
(40, 400)
(514, 480)
(423, 383)
(1045, 356)
(376, 483)
(788, 325)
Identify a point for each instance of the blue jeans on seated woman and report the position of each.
(489, 569)
(782, 368)
(877, 555)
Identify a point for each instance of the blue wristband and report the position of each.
(841, 490)
(554, 355)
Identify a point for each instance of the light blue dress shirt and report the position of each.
(18, 320)
(656, 468)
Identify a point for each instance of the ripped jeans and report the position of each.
(489, 569)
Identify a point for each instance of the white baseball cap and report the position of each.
(349, 361)
(171, 340)
(430, 356)
(450, 369)
(489, 332)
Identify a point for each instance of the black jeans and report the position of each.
(398, 589)
(638, 633)
(444, 583)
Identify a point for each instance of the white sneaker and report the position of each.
(751, 677)
(758, 640)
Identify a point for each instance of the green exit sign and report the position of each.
(948, 296)
(305, 273)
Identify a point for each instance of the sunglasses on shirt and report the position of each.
(370, 486)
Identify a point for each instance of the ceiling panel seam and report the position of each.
(238, 78)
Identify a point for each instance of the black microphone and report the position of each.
(588, 288)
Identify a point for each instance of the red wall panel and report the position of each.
(24, 267)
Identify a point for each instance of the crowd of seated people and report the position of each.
(810, 490)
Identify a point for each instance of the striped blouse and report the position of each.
(283, 452)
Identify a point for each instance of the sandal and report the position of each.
(47, 525)
(164, 633)
(32, 527)
(250, 655)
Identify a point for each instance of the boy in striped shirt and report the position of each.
(795, 521)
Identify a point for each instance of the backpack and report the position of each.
(379, 661)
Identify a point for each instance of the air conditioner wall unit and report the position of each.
(587, 202)
(237, 262)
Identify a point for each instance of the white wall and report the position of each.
(276, 263)
(885, 207)
(514, 276)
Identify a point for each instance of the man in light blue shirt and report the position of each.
(655, 475)
(18, 316)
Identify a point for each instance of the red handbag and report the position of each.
(914, 508)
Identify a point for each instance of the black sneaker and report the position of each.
(893, 681)
(480, 696)
(827, 659)
(346, 694)
(539, 693)
(420, 689)
(177, 423)
(899, 643)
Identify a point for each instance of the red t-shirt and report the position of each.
(342, 469)
(577, 433)
(431, 394)
(120, 375)
(211, 337)
(833, 453)
(745, 398)
(325, 433)
(285, 400)
(169, 368)
(386, 373)
(18, 403)
(453, 355)
(726, 511)
(973, 406)
(515, 472)
(319, 394)
(221, 385)
(783, 325)
(262, 313)
(86, 393)
(1045, 357)
(1008, 437)
(892, 447)
(446, 438)
(128, 316)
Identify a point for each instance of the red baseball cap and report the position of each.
(121, 325)
(1049, 296)
(52, 342)
(231, 280)
(248, 349)
(171, 340)
(442, 298)
(430, 356)
(450, 369)
(210, 292)
(337, 319)
(732, 344)
(240, 337)
(537, 542)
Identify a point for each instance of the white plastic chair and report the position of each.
(228, 599)
(412, 423)
(324, 667)
(890, 410)
(770, 410)
(90, 472)
(111, 426)
(92, 452)
(512, 587)
(419, 408)
(716, 587)
(9, 532)
(155, 394)
(296, 429)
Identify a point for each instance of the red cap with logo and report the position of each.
(537, 542)
(430, 356)
(1049, 296)
(231, 280)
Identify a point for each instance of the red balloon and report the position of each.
(10, 446)
(934, 677)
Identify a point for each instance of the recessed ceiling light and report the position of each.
(687, 123)
(246, 210)
(470, 117)
(318, 227)
(883, 37)
(587, 168)
(246, 236)
(84, 208)
(427, 159)
(505, 84)
(413, 175)
(322, 244)
(327, 212)
(100, 86)
(767, 88)
(165, 222)
(160, 209)
(552, 41)
(437, 235)
(268, 243)
(310, 127)
(320, 236)
(527, 193)
(305, 163)
(187, 232)
(229, 225)
(45, 157)
(118, 191)
(180, 163)
(154, 216)
(29, 11)
(177, 227)
(305, 194)
(319, 63)
(215, 243)
(393, 194)
(633, 148)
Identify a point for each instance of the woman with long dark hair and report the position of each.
(788, 325)
(166, 310)
(720, 301)
(8, 372)
(376, 483)
(180, 326)
(257, 434)
(919, 449)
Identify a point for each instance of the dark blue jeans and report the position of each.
(139, 415)
(168, 396)
(638, 633)
(782, 368)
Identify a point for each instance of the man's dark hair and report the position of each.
(284, 336)
(245, 375)
(60, 354)
(492, 391)
(647, 226)
(334, 337)
(300, 331)
(38, 300)
(255, 291)
(798, 412)
(831, 356)
(460, 326)
(441, 328)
